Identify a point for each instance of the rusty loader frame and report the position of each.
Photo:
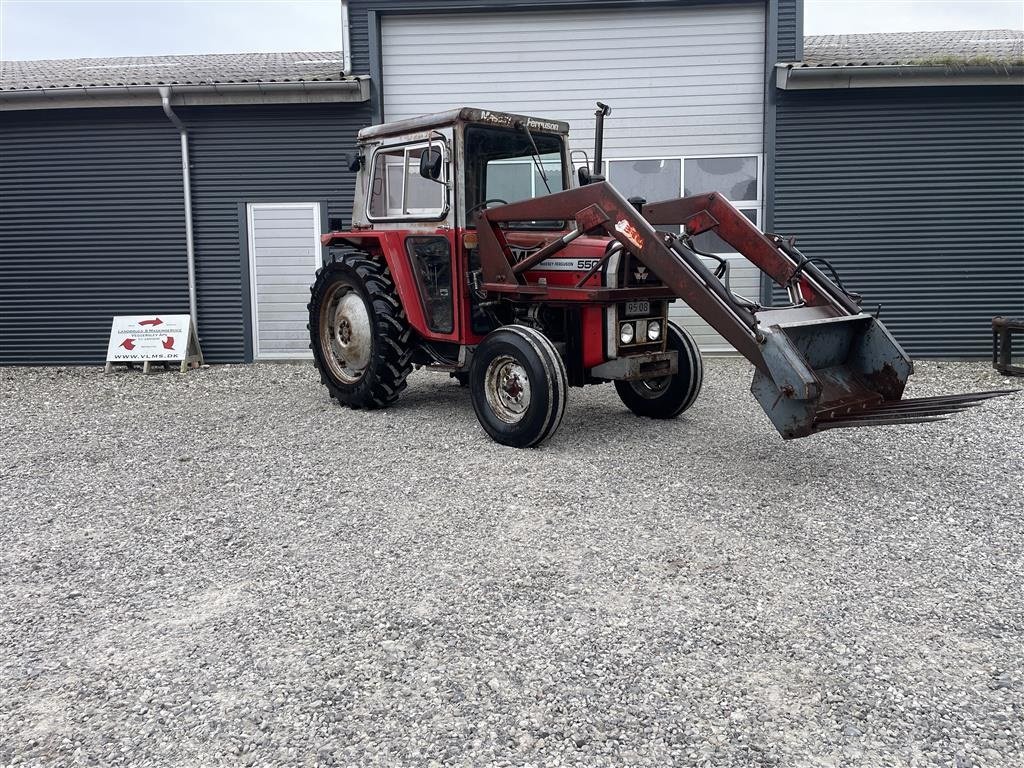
(820, 362)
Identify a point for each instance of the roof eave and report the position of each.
(796, 77)
(352, 89)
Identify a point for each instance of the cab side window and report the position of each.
(432, 262)
(397, 191)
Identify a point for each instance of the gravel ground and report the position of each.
(225, 568)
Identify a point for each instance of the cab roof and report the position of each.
(462, 115)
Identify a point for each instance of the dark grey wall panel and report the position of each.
(109, 181)
(790, 30)
(91, 225)
(916, 195)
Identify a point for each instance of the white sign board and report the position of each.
(152, 338)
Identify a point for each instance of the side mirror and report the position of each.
(586, 176)
(430, 164)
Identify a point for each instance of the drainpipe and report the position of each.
(346, 47)
(186, 178)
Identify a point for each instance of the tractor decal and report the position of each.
(629, 232)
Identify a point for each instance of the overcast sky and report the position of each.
(53, 29)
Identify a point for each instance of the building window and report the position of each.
(652, 180)
(397, 191)
(655, 179)
(734, 177)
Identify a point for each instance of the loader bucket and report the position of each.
(847, 371)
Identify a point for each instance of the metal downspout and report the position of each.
(186, 178)
(346, 47)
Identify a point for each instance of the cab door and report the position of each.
(416, 215)
(438, 280)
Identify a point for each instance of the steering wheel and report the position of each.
(482, 206)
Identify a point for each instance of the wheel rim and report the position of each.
(651, 388)
(507, 387)
(346, 334)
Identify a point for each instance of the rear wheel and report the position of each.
(665, 397)
(358, 332)
(518, 385)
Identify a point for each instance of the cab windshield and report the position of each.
(501, 167)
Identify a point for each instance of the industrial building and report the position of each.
(897, 157)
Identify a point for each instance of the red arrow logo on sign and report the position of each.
(154, 321)
(168, 342)
(128, 344)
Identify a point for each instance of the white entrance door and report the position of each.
(284, 254)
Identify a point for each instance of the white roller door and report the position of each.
(685, 84)
(284, 254)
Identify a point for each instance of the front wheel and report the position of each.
(665, 397)
(518, 385)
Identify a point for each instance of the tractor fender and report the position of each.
(389, 246)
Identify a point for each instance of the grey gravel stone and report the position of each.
(226, 568)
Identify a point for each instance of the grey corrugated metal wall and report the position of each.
(360, 38)
(110, 181)
(915, 195)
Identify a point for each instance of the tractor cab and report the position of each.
(442, 170)
(422, 188)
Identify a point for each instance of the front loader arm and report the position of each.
(600, 207)
(773, 255)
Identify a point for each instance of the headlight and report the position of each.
(654, 330)
(626, 333)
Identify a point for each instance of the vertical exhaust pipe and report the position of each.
(603, 110)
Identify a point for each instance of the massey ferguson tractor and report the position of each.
(473, 251)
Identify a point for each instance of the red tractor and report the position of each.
(521, 286)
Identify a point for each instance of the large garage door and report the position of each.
(284, 254)
(686, 86)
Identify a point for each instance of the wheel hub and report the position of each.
(347, 333)
(651, 388)
(507, 387)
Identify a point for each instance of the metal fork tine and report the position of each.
(912, 407)
(918, 412)
(902, 408)
(879, 421)
(970, 397)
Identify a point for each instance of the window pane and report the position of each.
(652, 180)
(509, 181)
(386, 184)
(431, 258)
(734, 177)
(423, 196)
(553, 168)
(499, 164)
(393, 179)
(709, 241)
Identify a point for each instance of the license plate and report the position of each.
(638, 307)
